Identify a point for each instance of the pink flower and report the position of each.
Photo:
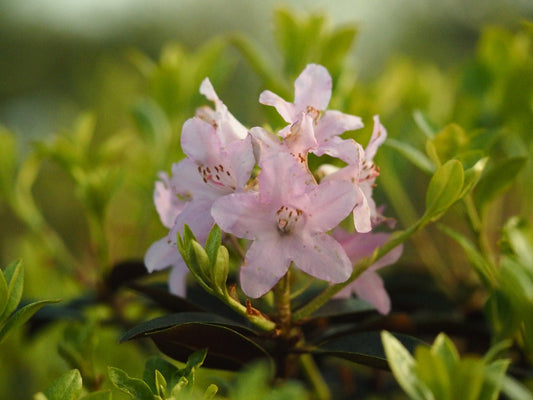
(312, 92)
(369, 285)
(287, 220)
(219, 162)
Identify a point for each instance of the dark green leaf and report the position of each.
(363, 348)
(165, 299)
(344, 308)
(22, 315)
(229, 345)
(125, 272)
(496, 180)
(136, 388)
(66, 387)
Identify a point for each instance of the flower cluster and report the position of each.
(284, 211)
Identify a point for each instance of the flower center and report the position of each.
(218, 177)
(288, 218)
(369, 171)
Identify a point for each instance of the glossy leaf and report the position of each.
(125, 272)
(444, 189)
(496, 180)
(404, 368)
(66, 387)
(230, 345)
(213, 242)
(136, 388)
(344, 308)
(100, 395)
(362, 348)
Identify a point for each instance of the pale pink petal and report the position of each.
(320, 255)
(199, 140)
(333, 123)
(328, 204)
(265, 265)
(346, 150)
(379, 134)
(188, 182)
(240, 161)
(167, 203)
(197, 215)
(312, 88)
(300, 136)
(160, 255)
(206, 88)
(361, 214)
(178, 278)
(369, 287)
(244, 215)
(284, 108)
(265, 144)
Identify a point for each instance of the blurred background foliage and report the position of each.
(93, 96)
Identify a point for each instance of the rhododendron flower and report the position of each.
(287, 220)
(312, 92)
(219, 161)
(369, 285)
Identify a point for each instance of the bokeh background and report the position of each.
(62, 59)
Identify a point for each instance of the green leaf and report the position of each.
(151, 120)
(472, 176)
(165, 368)
(100, 395)
(160, 384)
(431, 151)
(22, 315)
(362, 348)
(444, 189)
(496, 180)
(8, 167)
(404, 368)
(136, 388)
(199, 261)
(210, 392)
(212, 244)
(468, 379)
(67, 387)
(221, 269)
(518, 235)
(433, 371)
(485, 270)
(450, 142)
(515, 390)
(230, 345)
(423, 124)
(415, 156)
(4, 296)
(14, 276)
(494, 374)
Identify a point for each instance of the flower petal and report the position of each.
(284, 108)
(240, 161)
(312, 88)
(328, 204)
(369, 287)
(167, 204)
(333, 123)
(177, 279)
(379, 134)
(161, 254)
(199, 140)
(265, 265)
(321, 256)
(197, 215)
(244, 215)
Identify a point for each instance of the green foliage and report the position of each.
(438, 373)
(11, 287)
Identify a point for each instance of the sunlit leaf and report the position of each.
(415, 156)
(444, 189)
(66, 387)
(136, 388)
(404, 368)
(14, 276)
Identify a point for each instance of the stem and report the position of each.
(315, 378)
(282, 304)
(359, 268)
